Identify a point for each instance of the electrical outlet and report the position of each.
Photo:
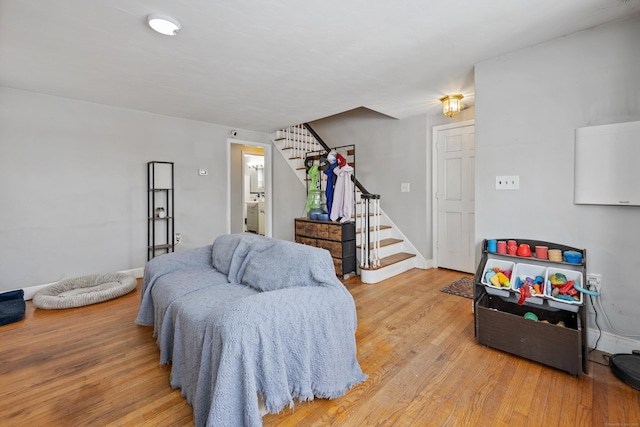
(594, 281)
(177, 238)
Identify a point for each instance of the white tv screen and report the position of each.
(607, 165)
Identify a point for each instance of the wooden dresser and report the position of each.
(338, 238)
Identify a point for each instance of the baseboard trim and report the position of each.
(425, 265)
(611, 343)
(30, 291)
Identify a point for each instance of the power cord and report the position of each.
(595, 312)
(613, 329)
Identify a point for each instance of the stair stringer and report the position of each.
(377, 275)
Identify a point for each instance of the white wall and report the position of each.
(73, 185)
(527, 107)
(289, 197)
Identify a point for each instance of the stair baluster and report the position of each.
(376, 240)
(369, 247)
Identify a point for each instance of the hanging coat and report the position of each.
(343, 194)
(330, 183)
(313, 185)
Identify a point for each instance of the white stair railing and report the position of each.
(370, 231)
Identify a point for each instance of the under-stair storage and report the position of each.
(338, 238)
(540, 328)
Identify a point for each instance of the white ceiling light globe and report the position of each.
(164, 24)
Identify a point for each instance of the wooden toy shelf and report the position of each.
(500, 322)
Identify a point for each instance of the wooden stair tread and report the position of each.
(384, 242)
(390, 260)
(382, 227)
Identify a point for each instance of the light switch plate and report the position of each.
(504, 182)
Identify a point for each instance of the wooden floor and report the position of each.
(92, 366)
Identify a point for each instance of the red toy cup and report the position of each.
(502, 247)
(542, 252)
(512, 247)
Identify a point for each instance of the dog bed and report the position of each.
(12, 307)
(84, 290)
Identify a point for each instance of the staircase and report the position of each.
(393, 253)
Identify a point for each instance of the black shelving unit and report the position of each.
(160, 210)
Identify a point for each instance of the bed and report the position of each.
(250, 319)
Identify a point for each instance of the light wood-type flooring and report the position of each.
(92, 366)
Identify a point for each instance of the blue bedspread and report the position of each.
(251, 315)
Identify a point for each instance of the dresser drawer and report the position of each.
(337, 263)
(306, 240)
(334, 247)
(301, 228)
(321, 231)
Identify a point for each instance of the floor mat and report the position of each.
(462, 287)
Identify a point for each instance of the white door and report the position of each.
(455, 209)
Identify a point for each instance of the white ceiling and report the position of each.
(264, 65)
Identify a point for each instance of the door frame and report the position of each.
(434, 182)
(268, 193)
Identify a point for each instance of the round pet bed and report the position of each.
(84, 290)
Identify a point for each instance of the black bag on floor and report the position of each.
(12, 306)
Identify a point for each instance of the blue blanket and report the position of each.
(251, 315)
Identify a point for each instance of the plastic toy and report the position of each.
(535, 284)
(498, 278)
(585, 291)
(525, 292)
(567, 290)
(523, 250)
(558, 279)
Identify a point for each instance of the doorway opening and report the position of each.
(253, 192)
(249, 187)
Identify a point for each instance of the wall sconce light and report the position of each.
(451, 104)
(164, 24)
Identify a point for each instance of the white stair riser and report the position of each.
(383, 234)
(375, 276)
(386, 251)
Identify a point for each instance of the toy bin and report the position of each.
(523, 271)
(562, 304)
(502, 265)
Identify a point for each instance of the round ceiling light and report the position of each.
(164, 24)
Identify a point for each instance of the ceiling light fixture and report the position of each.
(164, 24)
(451, 104)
